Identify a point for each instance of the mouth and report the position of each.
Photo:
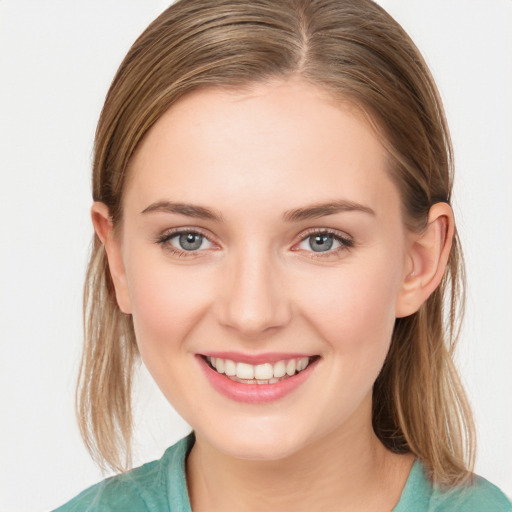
(270, 372)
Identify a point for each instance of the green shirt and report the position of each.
(161, 486)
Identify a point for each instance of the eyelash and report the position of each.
(346, 242)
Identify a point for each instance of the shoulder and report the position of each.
(421, 495)
(135, 490)
(153, 486)
(480, 496)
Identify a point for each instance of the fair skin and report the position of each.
(251, 285)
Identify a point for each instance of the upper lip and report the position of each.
(269, 357)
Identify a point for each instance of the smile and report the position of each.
(266, 373)
(257, 379)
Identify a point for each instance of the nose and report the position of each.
(253, 300)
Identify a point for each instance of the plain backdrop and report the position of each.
(57, 59)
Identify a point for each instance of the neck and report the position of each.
(348, 469)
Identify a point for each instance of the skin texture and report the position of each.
(256, 285)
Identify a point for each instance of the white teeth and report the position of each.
(244, 371)
(303, 362)
(263, 371)
(291, 366)
(219, 365)
(266, 373)
(279, 369)
(229, 368)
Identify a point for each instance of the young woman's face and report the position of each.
(261, 233)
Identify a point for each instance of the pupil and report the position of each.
(190, 241)
(321, 243)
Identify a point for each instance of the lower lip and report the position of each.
(254, 393)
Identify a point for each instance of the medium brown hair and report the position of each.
(355, 51)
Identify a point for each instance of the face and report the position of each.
(262, 234)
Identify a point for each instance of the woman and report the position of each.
(274, 238)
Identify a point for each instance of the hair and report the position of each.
(356, 52)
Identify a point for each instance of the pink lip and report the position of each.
(254, 393)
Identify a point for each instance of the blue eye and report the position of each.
(189, 241)
(325, 242)
(182, 242)
(319, 243)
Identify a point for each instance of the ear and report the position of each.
(105, 230)
(428, 256)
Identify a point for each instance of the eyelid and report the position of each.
(328, 231)
(346, 241)
(168, 233)
(165, 237)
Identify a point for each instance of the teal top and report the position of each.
(161, 486)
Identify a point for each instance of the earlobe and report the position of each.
(105, 231)
(428, 255)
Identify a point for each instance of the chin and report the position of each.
(264, 443)
(260, 451)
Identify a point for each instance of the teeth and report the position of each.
(244, 371)
(303, 362)
(219, 365)
(291, 366)
(229, 367)
(279, 369)
(266, 373)
(263, 371)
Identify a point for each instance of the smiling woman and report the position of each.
(274, 238)
(250, 288)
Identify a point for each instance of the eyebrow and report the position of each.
(312, 211)
(190, 210)
(316, 210)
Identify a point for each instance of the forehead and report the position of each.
(284, 141)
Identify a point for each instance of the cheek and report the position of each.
(353, 307)
(354, 315)
(167, 302)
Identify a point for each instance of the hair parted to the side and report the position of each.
(354, 50)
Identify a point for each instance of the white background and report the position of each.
(57, 59)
